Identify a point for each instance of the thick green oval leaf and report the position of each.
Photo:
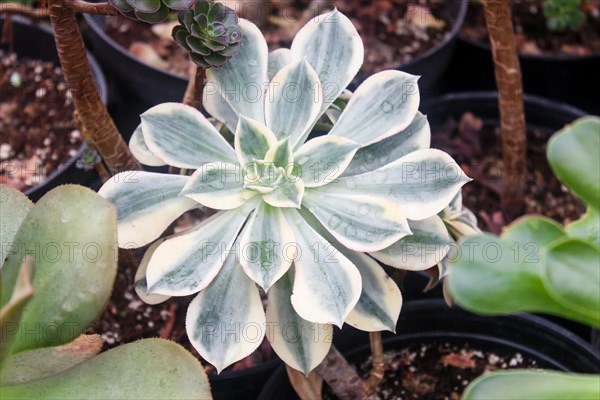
(572, 276)
(147, 203)
(361, 223)
(186, 264)
(327, 285)
(71, 236)
(216, 185)
(37, 364)
(540, 231)
(226, 321)
(422, 183)
(299, 343)
(146, 369)
(263, 245)
(14, 207)
(428, 245)
(294, 102)
(533, 385)
(241, 79)
(587, 227)
(384, 104)
(140, 150)
(333, 47)
(573, 154)
(417, 136)
(182, 137)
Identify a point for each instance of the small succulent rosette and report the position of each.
(150, 11)
(303, 220)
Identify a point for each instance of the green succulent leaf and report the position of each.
(186, 264)
(217, 185)
(287, 194)
(147, 203)
(417, 136)
(140, 282)
(294, 103)
(38, 364)
(242, 86)
(72, 232)
(572, 276)
(333, 47)
(14, 207)
(140, 150)
(299, 343)
(182, 137)
(587, 227)
(263, 259)
(327, 285)
(582, 175)
(427, 246)
(252, 141)
(216, 105)
(211, 320)
(384, 104)
(146, 369)
(535, 385)
(277, 60)
(281, 156)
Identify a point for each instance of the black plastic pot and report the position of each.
(146, 84)
(572, 79)
(432, 321)
(37, 41)
(243, 384)
(432, 64)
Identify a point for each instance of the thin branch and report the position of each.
(378, 363)
(341, 377)
(195, 87)
(85, 7)
(20, 9)
(307, 388)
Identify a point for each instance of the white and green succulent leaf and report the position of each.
(363, 184)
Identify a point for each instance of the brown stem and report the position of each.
(378, 363)
(92, 113)
(195, 87)
(512, 116)
(92, 8)
(341, 377)
(20, 9)
(307, 388)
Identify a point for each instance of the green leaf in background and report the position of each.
(587, 227)
(572, 277)
(14, 207)
(533, 385)
(70, 234)
(146, 369)
(573, 156)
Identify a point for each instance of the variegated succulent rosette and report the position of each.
(302, 219)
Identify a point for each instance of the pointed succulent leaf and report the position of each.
(12, 311)
(427, 246)
(186, 264)
(422, 183)
(147, 203)
(230, 302)
(14, 207)
(572, 275)
(140, 150)
(281, 155)
(140, 282)
(277, 60)
(417, 136)
(169, 371)
(216, 185)
(582, 174)
(264, 246)
(321, 160)
(182, 137)
(74, 233)
(252, 141)
(215, 104)
(384, 104)
(360, 222)
(287, 194)
(241, 81)
(299, 343)
(530, 384)
(327, 285)
(333, 47)
(294, 102)
(38, 364)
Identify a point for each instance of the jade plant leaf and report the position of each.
(70, 235)
(14, 207)
(587, 227)
(581, 140)
(535, 385)
(37, 364)
(146, 369)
